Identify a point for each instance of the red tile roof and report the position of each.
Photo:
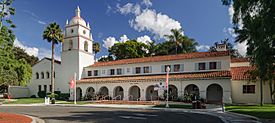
(235, 60)
(240, 73)
(162, 58)
(198, 75)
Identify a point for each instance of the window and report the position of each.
(84, 32)
(201, 66)
(89, 73)
(103, 72)
(37, 75)
(128, 70)
(119, 71)
(50, 88)
(138, 70)
(146, 69)
(248, 89)
(39, 88)
(45, 88)
(48, 75)
(95, 72)
(112, 71)
(165, 67)
(72, 31)
(176, 68)
(53, 74)
(42, 75)
(70, 44)
(86, 46)
(213, 65)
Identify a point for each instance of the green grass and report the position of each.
(266, 111)
(24, 101)
(175, 106)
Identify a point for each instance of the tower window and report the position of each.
(86, 46)
(84, 32)
(70, 44)
(72, 31)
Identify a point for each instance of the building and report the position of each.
(214, 76)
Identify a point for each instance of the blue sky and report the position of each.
(205, 21)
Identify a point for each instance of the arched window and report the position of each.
(42, 75)
(37, 75)
(86, 46)
(70, 44)
(48, 75)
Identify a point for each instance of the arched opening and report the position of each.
(151, 94)
(118, 93)
(48, 75)
(103, 91)
(134, 93)
(70, 44)
(173, 92)
(37, 75)
(78, 93)
(214, 93)
(42, 75)
(86, 46)
(90, 93)
(192, 91)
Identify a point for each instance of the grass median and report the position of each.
(24, 101)
(265, 112)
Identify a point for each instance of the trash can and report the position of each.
(194, 104)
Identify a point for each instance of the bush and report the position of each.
(41, 94)
(64, 96)
(33, 96)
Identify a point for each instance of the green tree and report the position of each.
(53, 34)
(176, 37)
(151, 46)
(258, 30)
(96, 48)
(165, 48)
(105, 59)
(20, 53)
(128, 49)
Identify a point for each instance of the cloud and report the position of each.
(34, 17)
(231, 12)
(41, 22)
(203, 47)
(129, 8)
(144, 39)
(242, 48)
(147, 3)
(123, 38)
(157, 23)
(231, 32)
(109, 42)
(29, 50)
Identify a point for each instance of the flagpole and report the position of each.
(74, 88)
(167, 86)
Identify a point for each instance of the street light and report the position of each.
(167, 86)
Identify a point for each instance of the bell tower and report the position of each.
(77, 49)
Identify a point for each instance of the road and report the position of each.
(59, 114)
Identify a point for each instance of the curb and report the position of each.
(245, 115)
(35, 119)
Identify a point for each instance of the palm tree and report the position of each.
(96, 48)
(53, 34)
(176, 37)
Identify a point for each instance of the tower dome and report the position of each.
(77, 19)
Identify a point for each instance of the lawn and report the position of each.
(175, 106)
(24, 101)
(266, 111)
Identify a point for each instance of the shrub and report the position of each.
(41, 94)
(33, 96)
(64, 96)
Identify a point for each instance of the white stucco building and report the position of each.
(214, 76)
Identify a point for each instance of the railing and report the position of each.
(129, 96)
(103, 98)
(115, 98)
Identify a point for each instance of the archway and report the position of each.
(118, 93)
(103, 91)
(134, 93)
(192, 90)
(173, 92)
(90, 93)
(214, 93)
(78, 93)
(151, 94)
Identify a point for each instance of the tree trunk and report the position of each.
(271, 90)
(52, 74)
(261, 91)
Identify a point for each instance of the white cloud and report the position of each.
(231, 12)
(129, 8)
(148, 3)
(242, 48)
(202, 47)
(29, 50)
(157, 23)
(144, 39)
(34, 17)
(231, 32)
(123, 38)
(41, 22)
(109, 42)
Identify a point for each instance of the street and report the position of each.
(59, 114)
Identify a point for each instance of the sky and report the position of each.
(111, 21)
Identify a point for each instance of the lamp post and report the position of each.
(167, 86)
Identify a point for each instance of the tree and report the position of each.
(165, 48)
(105, 59)
(151, 48)
(53, 34)
(128, 49)
(21, 54)
(254, 23)
(96, 48)
(229, 47)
